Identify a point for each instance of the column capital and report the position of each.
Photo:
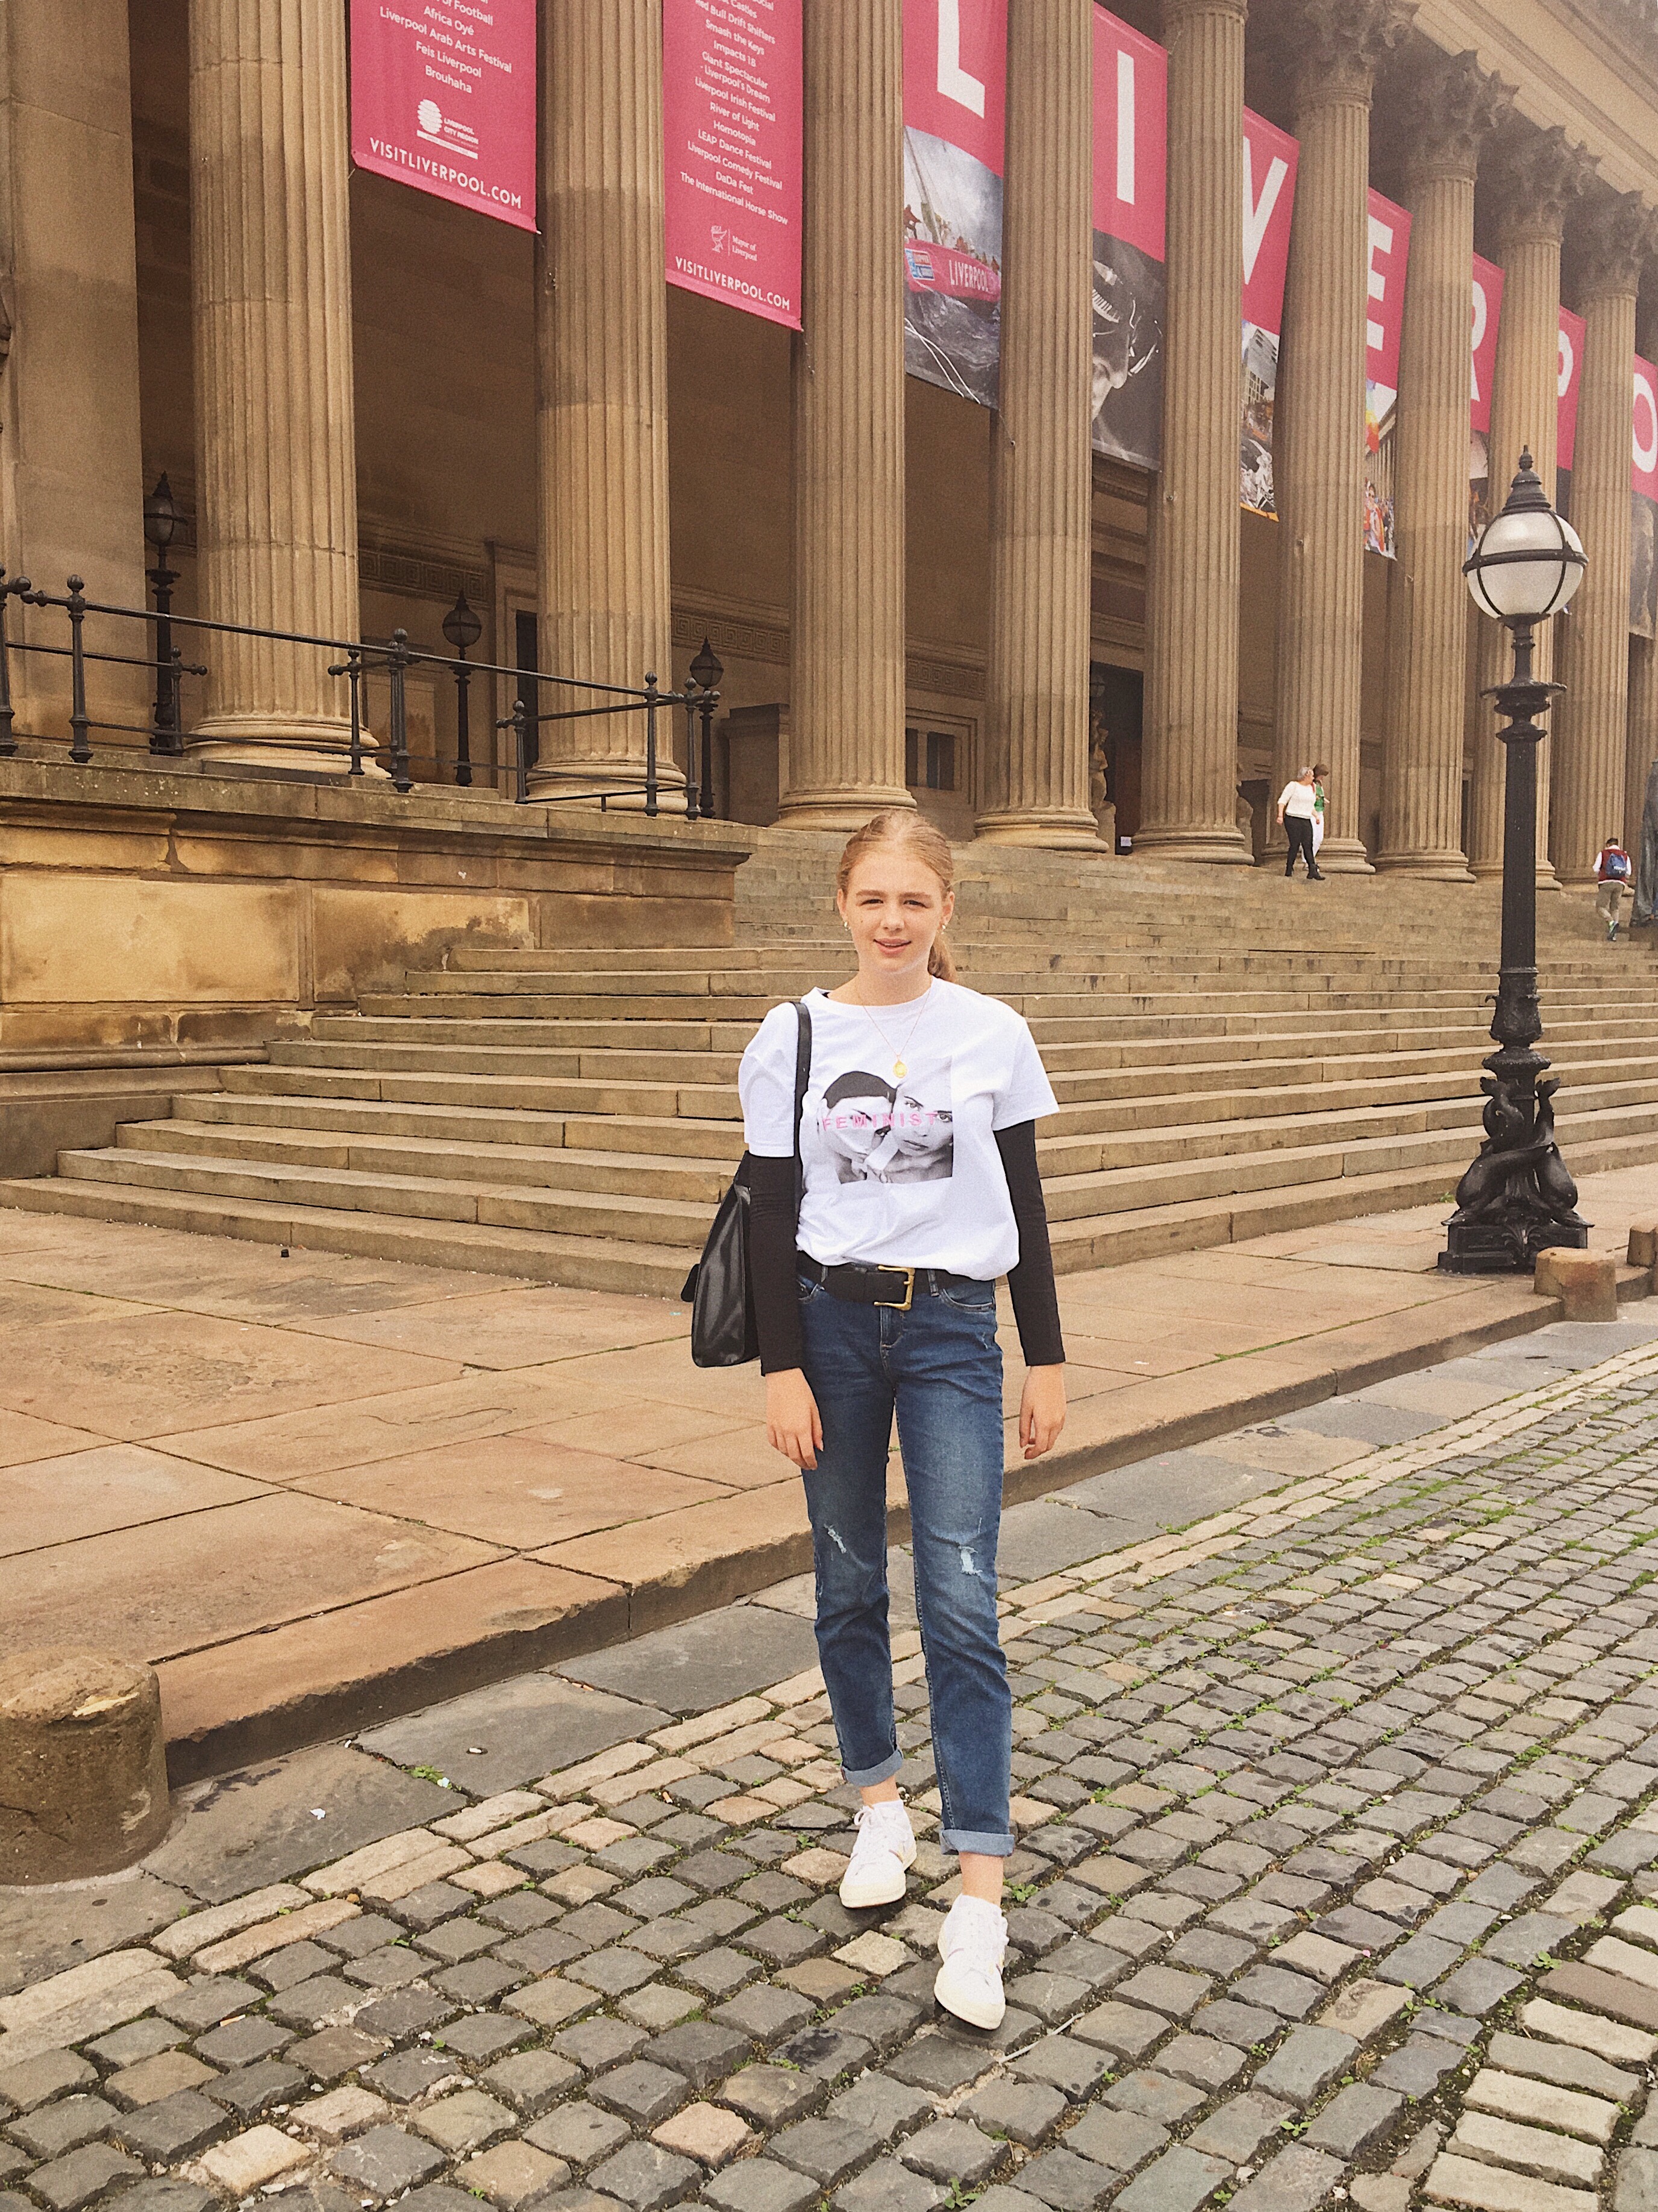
(1613, 237)
(1455, 107)
(1338, 44)
(1537, 178)
(1176, 12)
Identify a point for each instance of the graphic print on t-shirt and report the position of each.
(896, 1131)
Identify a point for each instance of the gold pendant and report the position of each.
(899, 1071)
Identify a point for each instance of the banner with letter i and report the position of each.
(1565, 433)
(1389, 252)
(1270, 156)
(1488, 281)
(1644, 503)
(1131, 133)
(955, 83)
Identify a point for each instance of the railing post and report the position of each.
(692, 794)
(520, 722)
(650, 741)
(7, 719)
(80, 749)
(396, 664)
(463, 723)
(705, 708)
(167, 734)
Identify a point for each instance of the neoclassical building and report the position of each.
(368, 403)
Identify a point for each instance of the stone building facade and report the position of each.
(368, 402)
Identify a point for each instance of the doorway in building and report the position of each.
(1115, 707)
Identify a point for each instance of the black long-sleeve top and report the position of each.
(771, 1257)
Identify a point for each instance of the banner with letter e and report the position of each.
(1389, 252)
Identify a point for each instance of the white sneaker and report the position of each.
(972, 1943)
(881, 1856)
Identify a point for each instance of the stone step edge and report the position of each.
(211, 1732)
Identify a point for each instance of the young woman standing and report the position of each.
(919, 1149)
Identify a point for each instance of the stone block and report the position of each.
(1121, 2141)
(761, 2185)
(1154, 2097)
(1354, 2118)
(1306, 2063)
(175, 2128)
(1062, 2065)
(1236, 2130)
(1512, 2097)
(1608, 2038)
(1296, 2180)
(531, 2081)
(68, 2183)
(156, 2077)
(1466, 2181)
(642, 2094)
(252, 2091)
(1587, 1282)
(343, 2114)
(889, 2186)
(251, 2160)
(1566, 2068)
(51, 2130)
(580, 2133)
(706, 2133)
(828, 2149)
(954, 2152)
(1642, 1250)
(645, 2176)
(1180, 2181)
(463, 2123)
(1025, 2112)
(1122, 2028)
(386, 2160)
(771, 2096)
(1530, 2150)
(510, 2175)
(83, 1764)
(885, 2108)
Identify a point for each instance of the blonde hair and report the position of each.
(903, 826)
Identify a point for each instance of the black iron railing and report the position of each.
(352, 664)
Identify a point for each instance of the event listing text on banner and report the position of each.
(955, 85)
(443, 98)
(1131, 131)
(732, 121)
(1270, 156)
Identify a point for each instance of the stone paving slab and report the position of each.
(1294, 1782)
(434, 1484)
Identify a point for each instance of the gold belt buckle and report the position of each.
(900, 1305)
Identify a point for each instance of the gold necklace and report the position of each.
(900, 1068)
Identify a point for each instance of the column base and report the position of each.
(1216, 847)
(1344, 856)
(1547, 879)
(840, 810)
(1441, 867)
(308, 745)
(1487, 871)
(552, 780)
(1058, 828)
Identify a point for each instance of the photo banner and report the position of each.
(1388, 256)
(1643, 503)
(734, 119)
(1270, 156)
(1130, 154)
(445, 100)
(1488, 282)
(1565, 436)
(955, 84)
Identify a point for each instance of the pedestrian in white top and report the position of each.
(1297, 803)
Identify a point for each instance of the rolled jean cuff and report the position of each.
(865, 1778)
(987, 1842)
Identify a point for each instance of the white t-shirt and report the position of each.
(1300, 799)
(901, 1170)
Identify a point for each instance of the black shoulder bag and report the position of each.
(718, 1290)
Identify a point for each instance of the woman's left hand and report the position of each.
(1042, 1410)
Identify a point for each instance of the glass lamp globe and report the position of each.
(1529, 561)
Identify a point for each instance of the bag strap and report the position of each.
(802, 1076)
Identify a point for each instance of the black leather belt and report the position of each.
(861, 1285)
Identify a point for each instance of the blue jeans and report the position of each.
(941, 1366)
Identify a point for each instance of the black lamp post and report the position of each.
(462, 628)
(162, 520)
(1517, 1199)
(706, 670)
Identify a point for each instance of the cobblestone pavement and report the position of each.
(1339, 1813)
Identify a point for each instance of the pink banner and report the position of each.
(1131, 136)
(1270, 156)
(1643, 503)
(732, 124)
(955, 83)
(1643, 457)
(1572, 383)
(444, 99)
(1131, 157)
(1390, 244)
(1488, 280)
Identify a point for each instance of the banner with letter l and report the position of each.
(955, 85)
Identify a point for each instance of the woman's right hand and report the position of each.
(793, 1425)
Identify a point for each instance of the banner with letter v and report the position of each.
(1270, 156)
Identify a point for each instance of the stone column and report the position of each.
(1453, 105)
(847, 689)
(1189, 774)
(602, 384)
(1535, 178)
(71, 491)
(275, 459)
(1613, 242)
(1035, 756)
(1319, 431)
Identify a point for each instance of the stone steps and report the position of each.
(1228, 1059)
